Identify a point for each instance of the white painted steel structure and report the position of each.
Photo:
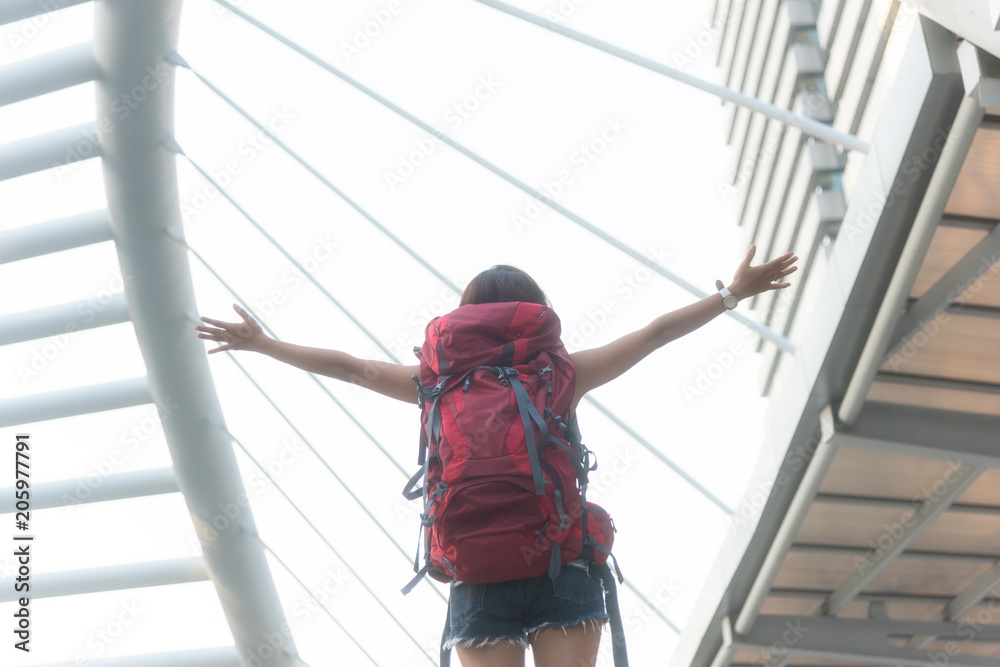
(823, 415)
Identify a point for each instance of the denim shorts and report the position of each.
(485, 614)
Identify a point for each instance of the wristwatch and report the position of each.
(728, 300)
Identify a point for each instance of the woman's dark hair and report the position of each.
(503, 283)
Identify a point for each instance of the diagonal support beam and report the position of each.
(807, 125)
(172, 145)
(952, 284)
(911, 525)
(778, 339)
(975, 593)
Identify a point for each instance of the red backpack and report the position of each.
(504, 471)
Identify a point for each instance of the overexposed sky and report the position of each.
(638, 155)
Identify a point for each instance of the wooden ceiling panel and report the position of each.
(869, 473)
(963, 348)
(977, 192)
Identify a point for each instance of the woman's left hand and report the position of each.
(751, 280)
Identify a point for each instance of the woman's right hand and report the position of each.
(245, 335)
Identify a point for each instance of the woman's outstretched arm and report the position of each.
(390, 379)
(600, 365)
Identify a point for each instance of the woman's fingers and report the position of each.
(218, 323)
(242, 313)
(212, 332)
(785, 272)
(227, 333)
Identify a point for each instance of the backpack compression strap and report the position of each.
(432, 433)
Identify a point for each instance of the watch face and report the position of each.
(729, 302)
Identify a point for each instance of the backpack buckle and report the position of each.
(438, 492)
(506, 373)
(420, 391)
(436, 390)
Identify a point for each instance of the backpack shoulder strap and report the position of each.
(618, 649)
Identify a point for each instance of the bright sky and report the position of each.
(530, 102)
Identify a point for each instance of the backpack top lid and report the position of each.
(508, 333)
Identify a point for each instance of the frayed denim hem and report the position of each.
(596, 622)
(452, 642)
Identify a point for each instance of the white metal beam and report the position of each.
(944, 435)
(62, 319)
(911, 554)
(55, 235)
(94, 489)
(973, 594)
(953, 154)
(943, 293)
(860, 640)
(814, 594)
(939, 383)
(222, 656)
(18, 10)
(55, 70)
(972, 20)
(727, 651)
(789, 528)
(46, 151)
(131, 41)
(112, 578)
(75, 401)
(807, 125)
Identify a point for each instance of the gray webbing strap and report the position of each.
(408, 491)
(614, 616)
(525, 407)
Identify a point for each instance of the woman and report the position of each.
(558, 619)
